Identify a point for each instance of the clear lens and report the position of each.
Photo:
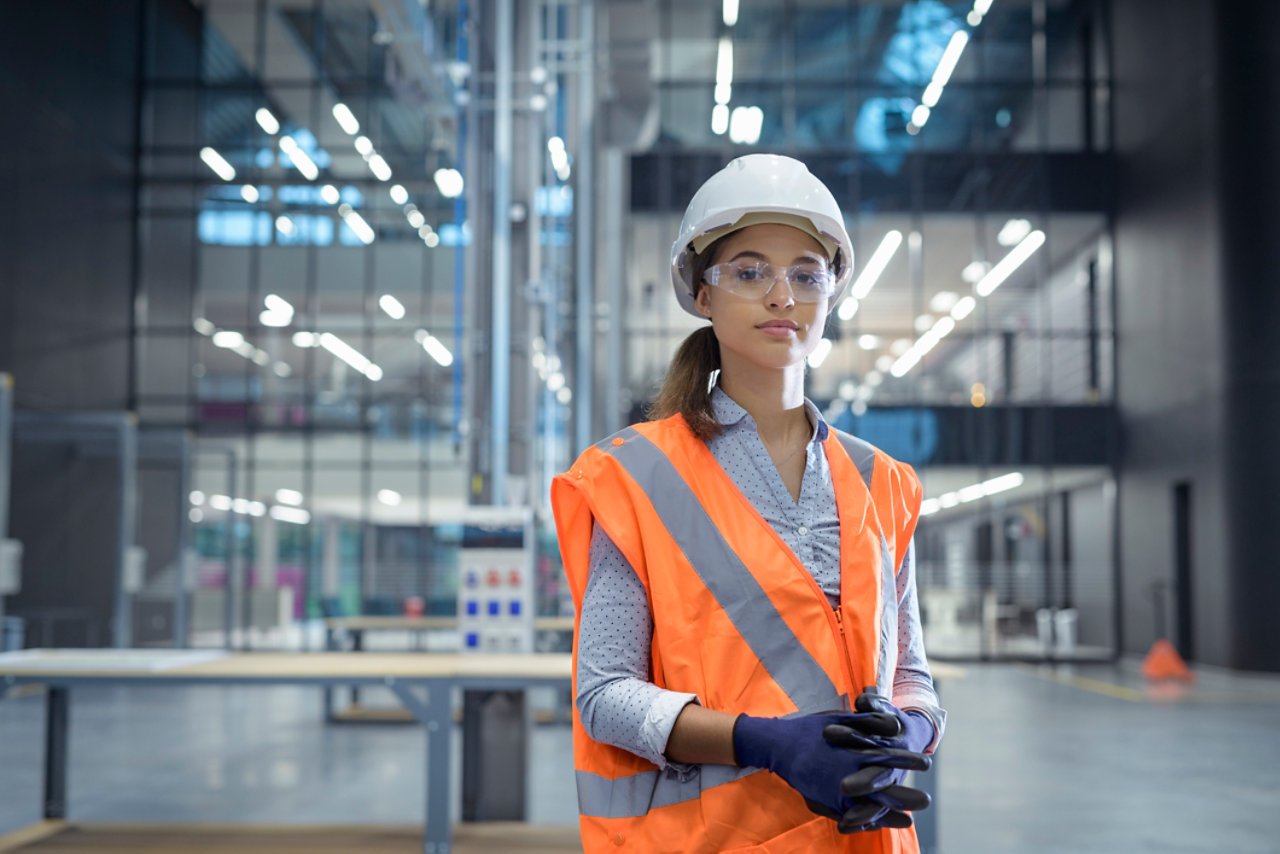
(755, 279)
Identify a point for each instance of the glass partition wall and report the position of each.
(302, 247)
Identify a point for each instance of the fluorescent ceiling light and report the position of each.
(398, 193)
(820, 353)
(378, 166)
(719, 119)
(392, 306)
(555, 381)
(932, 93)
(449, 181)
(555, 144)
(217, 163)
(220, 502)
(973, 18)
(883, 363)
(432, 240)
(203, 326)
(196, 497)
(282, 370)
(275, 319)
(724, 61)
(950, 57)
(249, 193)
(920, 115)
(729, 12)
(745, 124)
(306, 339)
(848, 308)
(435, 348)
(284, 225)
(963, 307)
(981, 6)
(227, 339)
(357, 224)
(389, 497)
(416, 219)
(868, 342)
(724, 93)
(294, 515)
(289, 496)
(564, 395)
(1012, 232)
(266, 120)
(346, 119)
(363, 145)
(1009, 263)
(943, 301)
(875, 266)
(350, 355)
(974, 271)
(330, 194)
(277, 304)
(923, 322)
(299, 158)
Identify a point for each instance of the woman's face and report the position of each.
(774, 331)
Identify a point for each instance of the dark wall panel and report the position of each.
(1169, 330)
(1249, 85)
(67, 79)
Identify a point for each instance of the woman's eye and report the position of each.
(748, 274)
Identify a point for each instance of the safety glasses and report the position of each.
(755, 279)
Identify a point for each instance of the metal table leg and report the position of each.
(436, 717)
(439, 764)
(56, 705)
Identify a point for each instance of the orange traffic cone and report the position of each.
(1163, 662)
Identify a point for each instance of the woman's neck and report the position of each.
(773, 399)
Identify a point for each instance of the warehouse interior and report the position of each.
(304, 303)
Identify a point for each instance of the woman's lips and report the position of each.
(777, 329)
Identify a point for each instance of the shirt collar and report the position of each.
(728, 413)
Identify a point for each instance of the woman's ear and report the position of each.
(703, 302)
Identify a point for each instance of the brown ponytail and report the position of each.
(686, 389)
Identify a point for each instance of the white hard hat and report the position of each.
(755, 189)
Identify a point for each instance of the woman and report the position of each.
(740, 569)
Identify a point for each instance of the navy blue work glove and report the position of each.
(880, 798)
(796, 750)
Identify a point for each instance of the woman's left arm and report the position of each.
(912, 682)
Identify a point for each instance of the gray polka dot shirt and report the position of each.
(617, 702)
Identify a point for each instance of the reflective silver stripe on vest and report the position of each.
(862, 453)
(888, 622)
(736, 590)
(634, 795)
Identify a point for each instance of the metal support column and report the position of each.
(500, 358)
(6, 442)
(182, 567)
(584, 233)
(57, 702)
(127, 439)
(613, 179)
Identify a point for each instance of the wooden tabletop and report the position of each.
(374, 622)
(289, 665)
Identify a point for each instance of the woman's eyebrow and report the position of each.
(808, 257)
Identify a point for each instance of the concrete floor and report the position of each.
(1087, 759)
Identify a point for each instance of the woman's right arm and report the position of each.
(617, 701)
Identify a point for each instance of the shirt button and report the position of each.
(802, 531)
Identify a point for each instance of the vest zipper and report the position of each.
(844, 647)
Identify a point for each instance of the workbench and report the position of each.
(423, 683)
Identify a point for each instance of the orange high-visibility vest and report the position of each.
(738, 621)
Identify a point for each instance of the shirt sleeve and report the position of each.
(912, 681)
(617, 703)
